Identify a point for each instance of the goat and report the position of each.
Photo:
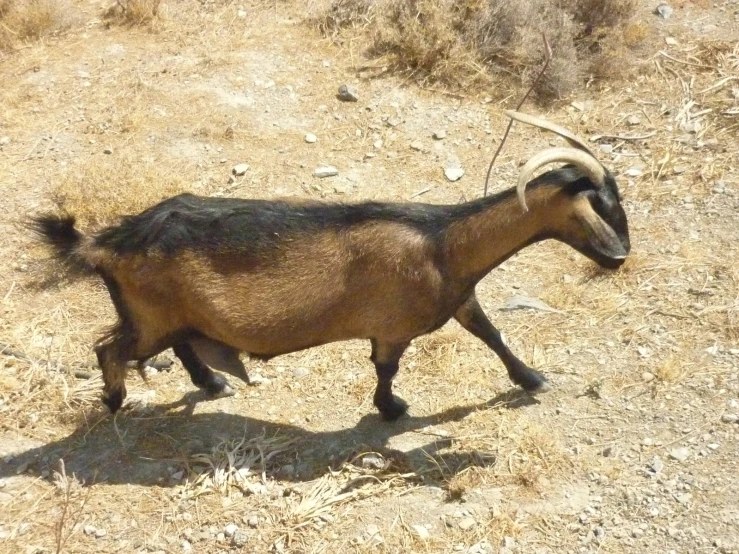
(212, 278)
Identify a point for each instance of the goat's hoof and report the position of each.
(219, 387)
(393, 409)
(531, 381)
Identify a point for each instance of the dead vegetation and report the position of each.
(22, 21)
(461, 43)
(133, 12)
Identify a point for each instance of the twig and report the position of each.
(548, 54)
(623, 137)
(693, 64)
(420, 192)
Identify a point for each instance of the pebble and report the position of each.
(417, 146)
(241, 14)
(647, 377)
(325, 171)
(347, 94)
(257, 379)
(440, 134)
(657, 465)
(373, 461)
(89, 530)
(377, 144)
(664, 11)
(684, 499)
(730, 418)
(422, 531)
(300, 372)
(239, 539)
(680, 454)
(606, 148)
(453, 173)
(186, 546)
(466, 524)
(4, 141)
(107, 150)
(310, 138)
(230, 529)
(633, 172)
(633, 120)
(253, 522)
(240, 169)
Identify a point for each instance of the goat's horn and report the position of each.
(587, 163)
(571, 138)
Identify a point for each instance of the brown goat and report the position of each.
(215, 277)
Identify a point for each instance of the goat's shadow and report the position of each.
(147, 449)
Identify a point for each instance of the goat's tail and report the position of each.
(66, 242)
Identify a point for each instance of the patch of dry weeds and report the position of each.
(28, 20)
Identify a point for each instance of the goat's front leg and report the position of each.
(472, 318)
(386, 358)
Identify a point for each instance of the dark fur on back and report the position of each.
(190, 222)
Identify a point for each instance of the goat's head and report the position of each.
(596, 225)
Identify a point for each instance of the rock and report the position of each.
(606, 148)
(518, 302)
(257, 379)
(186, 546)
(680, 454)
(239, 539)
(670, 41)
(730, 418)
(647, 441)
(310, 138)
(466, 523)
(647, 377)
(633, 172)
(377, 144)
(607, 452)
(241, 14)
(325, 171)
(422, 531)
(89, 530)
(664, 11)
(177, 475)
(4, 141)
(230, 529)
(300, 372)
(107, 150)
(684, 499)
(633, 120)
(240, 169)
(657, 465)
(453, 173)
(373, 461)
(347, 94)
(417, 146)
(253, 521)
(440, 134)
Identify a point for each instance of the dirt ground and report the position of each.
(636, 448)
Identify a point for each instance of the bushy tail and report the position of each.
(59, 232)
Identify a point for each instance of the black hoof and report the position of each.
(218, 387)
(392, 409)
(113, 400)
(531, 381)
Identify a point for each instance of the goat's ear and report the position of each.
(600, 235)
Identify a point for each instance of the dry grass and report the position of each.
(28, 20)
(133, 12)
(101, 190)
(459, 43)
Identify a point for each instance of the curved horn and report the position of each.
(587, 163)
(571, 138)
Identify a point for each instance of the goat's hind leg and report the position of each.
(197, 354)
(471, 316)
(386, 358)
(112, 360)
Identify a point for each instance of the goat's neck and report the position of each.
(485, 238)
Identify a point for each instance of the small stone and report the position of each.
(186, 546)
(107, 150)
(730, 418)
(253, 521)
(300, 372)
(89, 530)
(310, 138)
(633, 120)
(4, 141)
(325, 171)
(670, 41)
(633, 172)
(466, 523)
(657, 465)
(240, 169)
(637, 533)
(440, 134)
(453, 173)
(422, 531)
(606, 148)
(377, 144)
(647, 377)
(680, 454)
(257, 379)
(647, 442)
(417, 146)
(239, 539)
(177, 475)
(607, 452)
(241, 14)
(230, 529)
(664, 11)
(347, 94)
(684, 499)
(713, 446)
(680, 169)
(373, 461)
